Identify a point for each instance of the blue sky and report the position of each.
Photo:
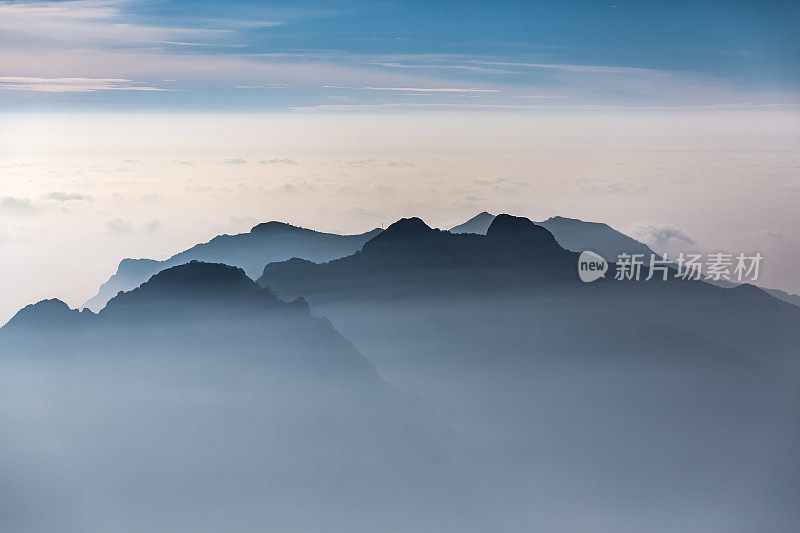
(331, 56)
(136, 128)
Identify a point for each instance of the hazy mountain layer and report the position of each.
(578, 235)
(572, 234)
(267, 242)
(630, 406)
(200, 402)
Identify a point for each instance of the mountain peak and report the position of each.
(194, 281)
(559, 218)
(273, 226)
(519, 227)
(43, 314)
(403, 233)
(477, 224)
(199, 273)
(408, 226)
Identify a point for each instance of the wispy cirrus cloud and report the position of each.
(90, 46)
(71, 85)
(432, 89)
(593, 69)
(80, 23)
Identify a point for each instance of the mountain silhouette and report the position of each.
(573, 234)
(266, 242)
(200, 398)
(578, 235)
(656, 385)
(411, 257)
(478, 224)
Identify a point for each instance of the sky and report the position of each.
(137, 129)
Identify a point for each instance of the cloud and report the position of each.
(592, 69)
(440, 105)
(299, 186)
(432, 90)
(95, 46)
(362, 163)
(60, 196)
(471, 68)
(149, 197)
(17, 206)
(119, 226)
(71, 85)
(234, 161)
(278, 162)
(383, 189)
(502, 185)
(152, 226)
(267, 86)
(84, 23)
(660, 237)
(606, 187)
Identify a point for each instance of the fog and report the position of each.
(208, 440)
(402, 394)
(189, 408)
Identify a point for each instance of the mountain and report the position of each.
(201, 402)
(409, 257)
(572, 234)
(578, 235)
(266, 242)
(478, 224)
(784, 296)
(632, 405)
(787, 297)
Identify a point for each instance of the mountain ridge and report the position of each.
(264, 243)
